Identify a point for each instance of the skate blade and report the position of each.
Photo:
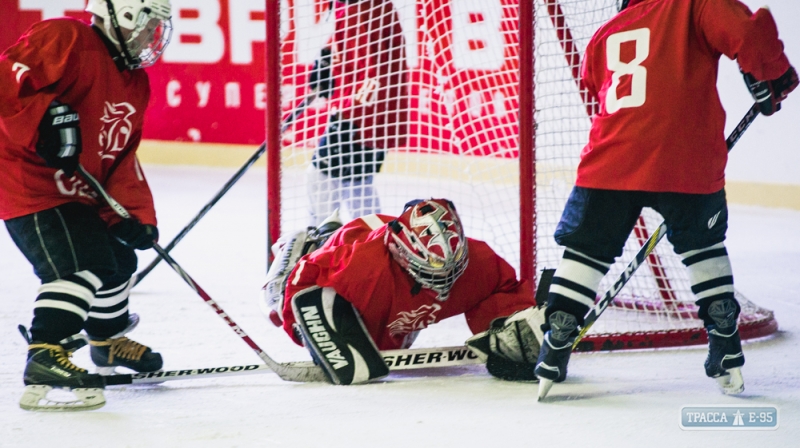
(732, 383)
(106, 371)
(86, 399)
(544, 388)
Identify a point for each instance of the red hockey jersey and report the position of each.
(356, 263)
(653, 67)
(369, 71)
(66, 60)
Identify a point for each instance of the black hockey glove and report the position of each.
(59, 141)
(769, 94)
(132, 233)
(320, 77)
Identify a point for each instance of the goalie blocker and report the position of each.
(334, 333)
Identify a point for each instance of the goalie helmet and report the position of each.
(428, 241)
(147, 23)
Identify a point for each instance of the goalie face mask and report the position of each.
(428, 241)
(140, 28)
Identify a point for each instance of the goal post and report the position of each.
(494, 118)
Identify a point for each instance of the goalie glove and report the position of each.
(769, 94)
(320, 79)
(511, 345)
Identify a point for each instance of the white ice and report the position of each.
(630, 399)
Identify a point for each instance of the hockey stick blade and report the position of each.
(651, 243)
(137, 278)
(397, 360)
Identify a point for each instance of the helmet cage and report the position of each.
(430, 240)
(146, 42)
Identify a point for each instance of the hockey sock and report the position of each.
(109, 313)
(711, 277)
(575, 284)
(62, 306)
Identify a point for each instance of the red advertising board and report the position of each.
(209, 84)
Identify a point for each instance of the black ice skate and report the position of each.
(725, 359)
(107, 354)
(48, 367)
(551, 366)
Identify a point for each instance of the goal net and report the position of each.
(477, 101)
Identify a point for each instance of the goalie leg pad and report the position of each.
(336, 337)
(287, 251)
(511, 346)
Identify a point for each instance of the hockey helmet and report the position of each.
(428, 240)
(148, 23)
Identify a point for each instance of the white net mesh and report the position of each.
(434, 85)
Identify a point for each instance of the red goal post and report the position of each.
(495, 121)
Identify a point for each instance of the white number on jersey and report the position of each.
(638, 73)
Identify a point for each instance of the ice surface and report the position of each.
(610, 399)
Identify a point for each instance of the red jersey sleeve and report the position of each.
(752, 39)
(508, 294)
(33, 72)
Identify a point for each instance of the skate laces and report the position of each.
(60, 355)
(123, 348)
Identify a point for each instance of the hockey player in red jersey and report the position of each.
(364, 75)
(657, 141)
(74, 94)
(378, 280)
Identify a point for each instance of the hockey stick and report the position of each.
(397, 360)
(652, 242)
(287, 371)
(137, 278)
(409, 359)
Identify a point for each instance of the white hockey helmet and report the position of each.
(148, 22)
(428, 241)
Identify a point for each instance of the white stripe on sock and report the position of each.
(61, 305)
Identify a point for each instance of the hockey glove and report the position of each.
(769, 94)
(133, 233)
(511, 345)
(59, 141)
(320, 78)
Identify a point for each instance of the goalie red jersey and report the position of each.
(370, 75)
(357, 263)
(653, 68)
(67, 60)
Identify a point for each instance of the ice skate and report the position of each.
(725, 359)
(551, 367)
(49, 367)
(108, 354)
